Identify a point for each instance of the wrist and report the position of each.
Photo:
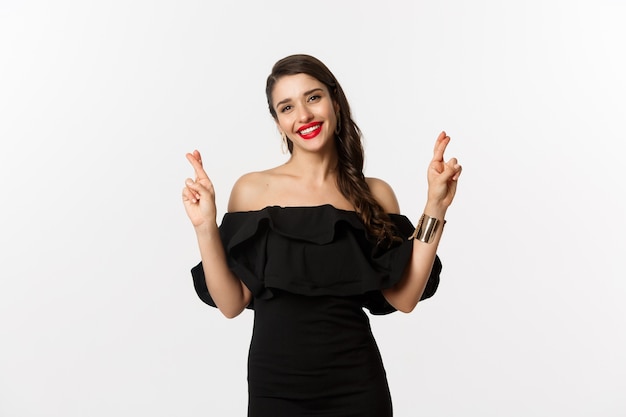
(427, 229)
(435, 210)
(206, 228)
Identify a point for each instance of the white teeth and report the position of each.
(309, 129)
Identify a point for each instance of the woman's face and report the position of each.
(305, 111)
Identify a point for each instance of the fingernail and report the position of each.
(189, 182)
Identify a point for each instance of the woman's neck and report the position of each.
(314, 168)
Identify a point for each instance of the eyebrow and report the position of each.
(306, 93)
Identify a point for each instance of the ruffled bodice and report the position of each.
(313, 251)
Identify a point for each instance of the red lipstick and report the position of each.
(311, 130)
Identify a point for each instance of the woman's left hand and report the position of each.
(442, 175)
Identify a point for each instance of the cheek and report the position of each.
(284, 121)
(333, 111)
(282, 125)
(333, 116)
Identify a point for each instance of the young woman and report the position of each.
(308, 244)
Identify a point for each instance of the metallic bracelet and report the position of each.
(426, 229)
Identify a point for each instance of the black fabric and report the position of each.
(315, 356)
(311, 271)
(314, 251)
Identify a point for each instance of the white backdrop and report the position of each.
(100, 101)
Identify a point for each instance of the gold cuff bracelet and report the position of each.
(426, 229)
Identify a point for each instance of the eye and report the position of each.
(314, 98)
(285, 109)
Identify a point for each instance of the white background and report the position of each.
(100, 101)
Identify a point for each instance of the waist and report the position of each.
(305, 342)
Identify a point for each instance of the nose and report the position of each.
(305, 114)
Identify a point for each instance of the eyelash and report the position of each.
(312, 98)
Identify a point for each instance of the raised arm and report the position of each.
(231, 296)
(442, 183)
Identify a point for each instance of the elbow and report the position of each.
(406, 308)
(232, 309)
(400, 301)
(230, 314)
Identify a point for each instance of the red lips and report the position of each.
(312, 130)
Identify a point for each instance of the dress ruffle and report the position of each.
(313, 251)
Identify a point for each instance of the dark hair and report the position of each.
(350, 178)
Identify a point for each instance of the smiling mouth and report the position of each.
(310, 131)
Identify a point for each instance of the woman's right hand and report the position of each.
(199, 195)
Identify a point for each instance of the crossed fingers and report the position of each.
(440, 147)
(192, 186)
(196, 162)
(438, 162)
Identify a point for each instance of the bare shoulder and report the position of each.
(247, 193)
(383, 193)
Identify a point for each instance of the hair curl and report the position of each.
(350, 178)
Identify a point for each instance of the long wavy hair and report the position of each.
(350, 178)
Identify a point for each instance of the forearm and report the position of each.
(405, 295)
(230, 295)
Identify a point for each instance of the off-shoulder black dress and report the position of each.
(311, 270)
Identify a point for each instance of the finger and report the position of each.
(196, 154)
(195, 188)
(196, 163)
(189, 195)
(440, 146)
(444, 171)
(456, 176)
(453, 169)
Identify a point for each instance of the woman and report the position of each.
(308, 244)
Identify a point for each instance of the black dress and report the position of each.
(311, 270)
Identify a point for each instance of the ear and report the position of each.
(334, 96)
